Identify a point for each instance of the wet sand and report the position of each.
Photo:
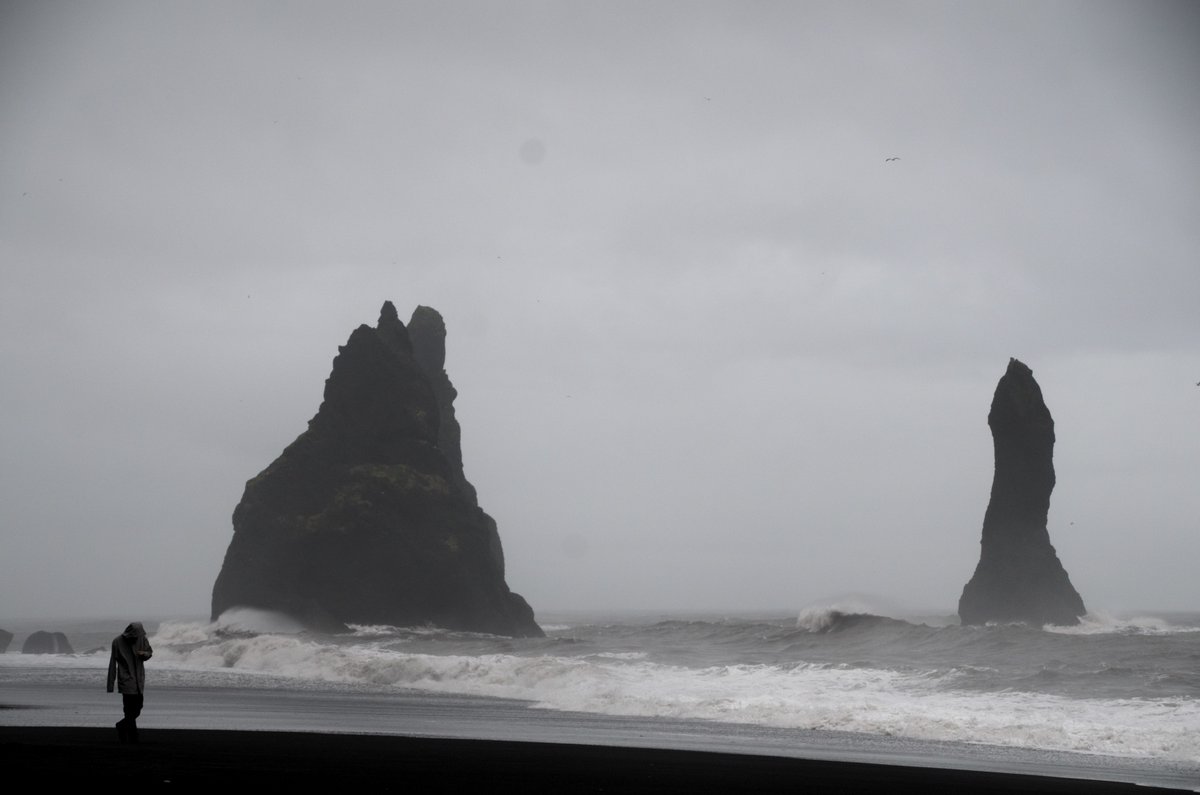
(179, 757)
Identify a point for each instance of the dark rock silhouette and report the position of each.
(5, 639)
(367, 518)
(42, 642)
(1019, 576)
(427, 332)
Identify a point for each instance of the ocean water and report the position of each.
(1124, 688)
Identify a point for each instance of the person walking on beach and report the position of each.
(126, 667)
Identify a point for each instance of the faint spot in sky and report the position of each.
(575, 546)
(533, 151)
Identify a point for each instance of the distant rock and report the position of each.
(367, 518)
(1019, 576)
(5, 639)
(47, 643)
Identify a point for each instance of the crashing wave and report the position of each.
(1101, 623)
(918, 703)
(254, 621)
(831, 619)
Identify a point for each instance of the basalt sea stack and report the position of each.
(366, 517)
(42, 642)
(1019, 576)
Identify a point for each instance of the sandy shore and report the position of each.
(176, 757)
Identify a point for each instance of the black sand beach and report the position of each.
(175, 757)
(267, 730)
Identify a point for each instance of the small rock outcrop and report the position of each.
(1019, 576)
(42, 642)
(5, 639)
(367, 518)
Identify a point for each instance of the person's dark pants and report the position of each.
(127, 727)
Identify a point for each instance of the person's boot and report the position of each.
(121, 736)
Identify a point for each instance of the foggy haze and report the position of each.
(712, 351)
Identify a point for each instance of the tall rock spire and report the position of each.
(427, 332)
(366, 517)
(1019, 576)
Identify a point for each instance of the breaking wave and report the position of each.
(1100, 623)
(828, 619)
(827, 670)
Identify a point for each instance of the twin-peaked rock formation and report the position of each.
(366, 517)
(1019, 576)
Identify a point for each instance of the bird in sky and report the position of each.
(890, 159)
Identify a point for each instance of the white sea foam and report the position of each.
(620, 655)
(816, 619)
(81, 660)
(817, 696)
(249, 619)
(1101, 623)
(820, 619)
(372, 630)
(181, 633)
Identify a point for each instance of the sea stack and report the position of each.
(366, 518)
(1019, 576)
(43, 642)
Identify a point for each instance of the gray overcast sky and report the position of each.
(712, 351)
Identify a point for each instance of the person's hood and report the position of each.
(135, 634)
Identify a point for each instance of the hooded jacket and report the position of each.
(130, 650)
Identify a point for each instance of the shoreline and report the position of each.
(55, 704)
(173, 757)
